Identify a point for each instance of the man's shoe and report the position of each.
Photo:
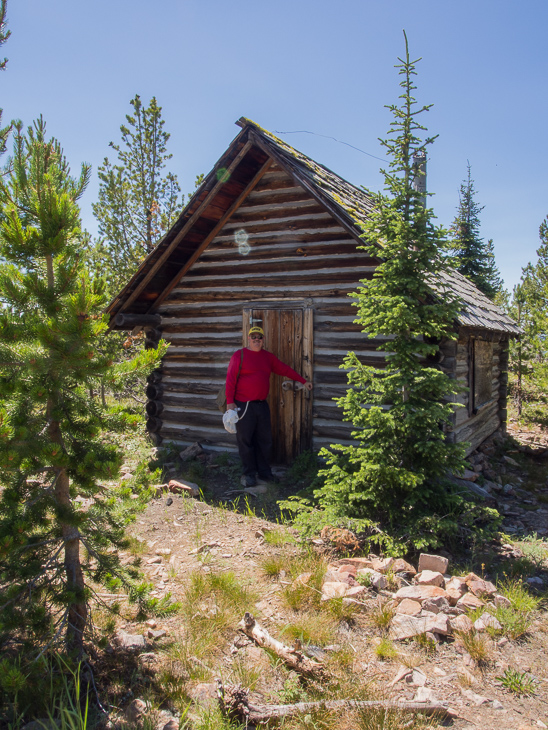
(247, 481)
(272, 478)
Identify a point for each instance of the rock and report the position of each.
(301, 579)
(135, 710)
(354, 562)
(402, 566)
(131, 642)
(408, 607)
(345, 568)
(333, 590)
(469, 476)
(163, 551)
(169, 501)
(439, 604)
(424, 694)
(536, 582)
(378, 581)
(151, 623)
(469, 601)
(355, 592)
(430, 578)
(148, 660)
(406, 627)
(455, 589)
(441, 625)
(417, 678)
(341, 538)
(382, 565)
(502, 641)
(433, 562)
(128, 475)
(512, 462)
(499, 706)
(419, 593)
(461, 624)
(189, 488)
(158, 634)
(474, 698)
(439, 672)
(43, 724)
(154, 561)
(485, 621)
(492, 486)
(204, 694)
(171, 724)
(482, 588)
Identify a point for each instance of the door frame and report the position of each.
(306, 306)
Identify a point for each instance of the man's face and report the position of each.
(255, 342)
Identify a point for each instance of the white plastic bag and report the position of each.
(230, 419)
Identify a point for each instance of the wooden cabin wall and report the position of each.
(280, 245)
(476, 427)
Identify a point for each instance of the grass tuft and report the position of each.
(386, 650)
(519, 683)
(381, 615)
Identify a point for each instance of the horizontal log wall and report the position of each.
(280, 245)
(476, 427)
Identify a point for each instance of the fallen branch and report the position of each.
(235, 703)
(476, 490)
(292, 657)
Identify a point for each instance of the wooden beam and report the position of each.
(129, 321)
(211, 235)
(188, 225)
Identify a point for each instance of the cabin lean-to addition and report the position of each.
(270, 237)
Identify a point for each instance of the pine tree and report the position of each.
(393, 476)
(474, 258)
(528, 361)
(52, 445)
(137, 201)
(4, 35)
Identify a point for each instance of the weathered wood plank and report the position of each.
(243, 266)
(211, 235)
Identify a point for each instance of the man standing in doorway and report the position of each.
(247, 393)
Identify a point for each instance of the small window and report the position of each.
(481, 371)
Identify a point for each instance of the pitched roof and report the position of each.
(478, 310)
(241, 166)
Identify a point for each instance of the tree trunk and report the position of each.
(77, 609)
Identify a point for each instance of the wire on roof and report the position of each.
(327, 136)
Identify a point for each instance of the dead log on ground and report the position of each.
(191, 452)
(234, 702)
(292, 657)
(190, 488)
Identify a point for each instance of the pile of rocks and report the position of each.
(428, 601)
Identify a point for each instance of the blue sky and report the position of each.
(312, 65)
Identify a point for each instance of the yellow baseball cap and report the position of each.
(256, 331)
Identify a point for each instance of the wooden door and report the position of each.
(288, 334)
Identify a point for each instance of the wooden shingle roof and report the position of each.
(236, 172)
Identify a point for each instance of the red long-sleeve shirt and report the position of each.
(254, 380)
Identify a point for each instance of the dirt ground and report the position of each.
(182, 541)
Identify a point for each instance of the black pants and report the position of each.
(254, 436)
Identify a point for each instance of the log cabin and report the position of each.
(270, 238)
